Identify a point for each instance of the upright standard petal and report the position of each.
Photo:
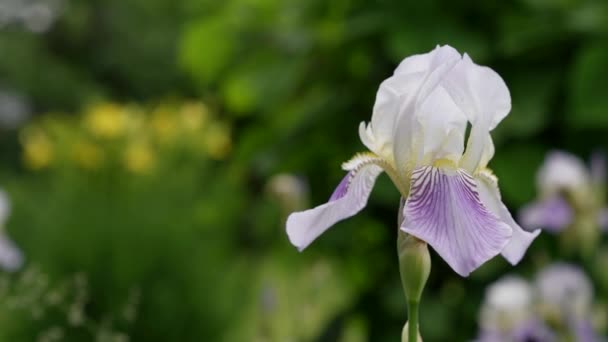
(347, 200)
(444, 209)
(416, 125)
(443, 125)
(490, 196)
(398, 94)
(484, 98)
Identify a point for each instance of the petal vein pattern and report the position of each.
(444, 209)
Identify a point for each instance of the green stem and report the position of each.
(412, 317)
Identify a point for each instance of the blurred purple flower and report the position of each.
(565, 294)
(567, 190)
(557, 305)
(417, 136)
(507, 313)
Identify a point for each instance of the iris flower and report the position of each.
(566, 298)
(557, 306)
(570, 193)
(417, 136)
(508, 313)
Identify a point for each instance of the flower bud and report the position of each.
(414, 265)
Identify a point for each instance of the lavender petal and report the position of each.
(348, 199)
(444, 209)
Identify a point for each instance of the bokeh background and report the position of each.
(152, 149)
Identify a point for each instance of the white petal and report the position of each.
(490, 197)
(479, 91)
(393, 97)
(423, 62)
(431, 118)
(444, 210)
(366, 136)
(488, 152)
(347, 200)
(443, 125)
(485, 100)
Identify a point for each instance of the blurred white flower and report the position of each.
(564, 289)
(557, 305)
(34, 15)
(507, 304)
(14, 109)
(11, 257)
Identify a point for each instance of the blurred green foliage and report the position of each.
(118, 190)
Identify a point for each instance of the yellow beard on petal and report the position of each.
(445, 164)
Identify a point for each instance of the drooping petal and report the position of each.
(444, 209)
(553, 214)
(490, 197)
(484, 98)
(347, 200)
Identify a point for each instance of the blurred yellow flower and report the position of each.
(37, 149)
(106, 120)
(139, 157)
(135, 119)
(217, 140)
(194, 115)
(88, 155)
(164, 124)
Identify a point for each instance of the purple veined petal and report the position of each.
(553, 214)
(444, 210)
(489, 193)
(348, 199)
